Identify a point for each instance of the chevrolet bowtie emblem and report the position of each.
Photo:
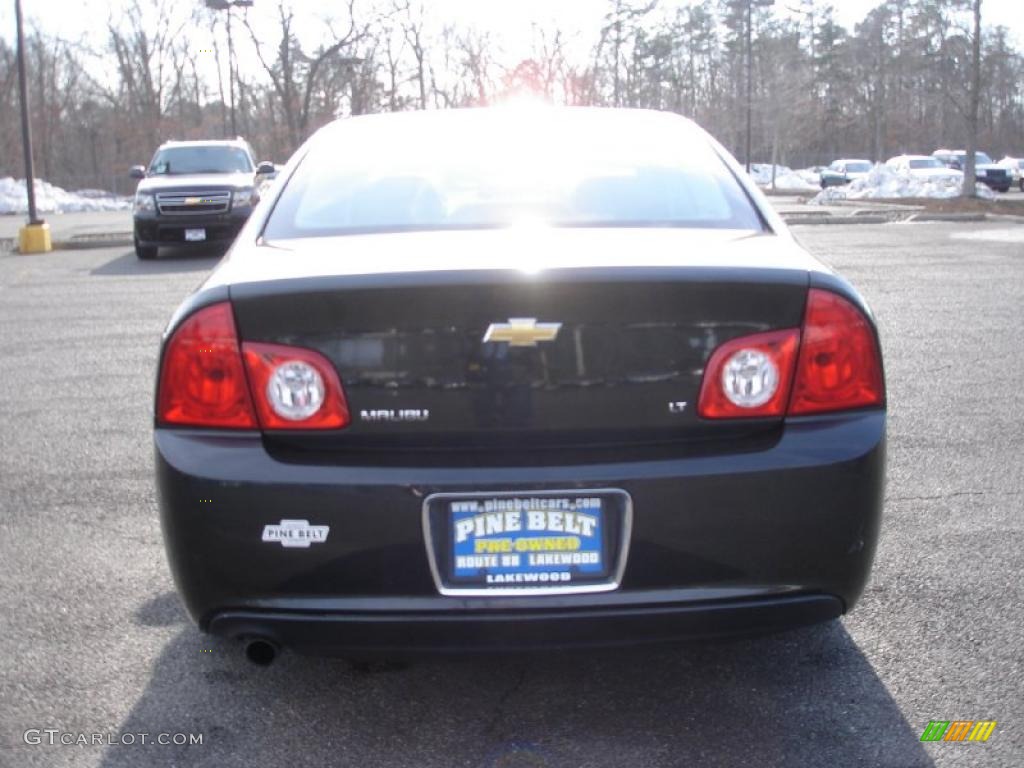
(193, 200)
(522, 332)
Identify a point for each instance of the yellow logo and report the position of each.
(193, 200)
(522, 332)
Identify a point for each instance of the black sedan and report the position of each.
(506, 378)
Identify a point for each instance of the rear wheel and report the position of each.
(146, 252)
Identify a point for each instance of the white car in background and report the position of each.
(924, 167)
(1015, 165)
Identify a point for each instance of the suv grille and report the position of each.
(185, 203)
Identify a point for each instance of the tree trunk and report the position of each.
(969, 188)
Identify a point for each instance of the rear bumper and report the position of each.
(834, 181)
(720, 544)
(396, 633)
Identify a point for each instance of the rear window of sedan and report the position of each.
(468, 169)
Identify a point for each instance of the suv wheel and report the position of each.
(145, 252)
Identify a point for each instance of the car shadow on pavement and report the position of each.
(170, 260)
(803, 698)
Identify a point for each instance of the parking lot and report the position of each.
(95, 641)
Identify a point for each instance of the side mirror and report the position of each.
(137, 172)
(265, 168)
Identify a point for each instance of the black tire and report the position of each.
(145, 252)
(1021, 183)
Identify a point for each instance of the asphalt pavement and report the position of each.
(95, 642)
(74, 228)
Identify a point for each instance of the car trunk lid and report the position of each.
(590, 351)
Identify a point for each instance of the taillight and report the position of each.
(294, 388)
(831, 364)
(750, 376)
(206, 378)
(839, 365)
(202, 381)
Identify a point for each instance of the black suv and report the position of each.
(195, 192)
(988, 173)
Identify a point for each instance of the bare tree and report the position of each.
(293, 73)
(906, 79)
(394, 47)
(412, 29)
(974, 103)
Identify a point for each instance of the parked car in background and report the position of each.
(987, 172)
(1015, 165)
(194, 193)
(924, 167)
(844, 171)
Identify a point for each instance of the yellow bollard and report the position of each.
(34, 238)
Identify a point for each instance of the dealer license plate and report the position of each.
(195, 235)
(527, 541)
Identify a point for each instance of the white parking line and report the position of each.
(1015, 235)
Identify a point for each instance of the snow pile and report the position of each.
(785, 178)
(811, 176)
(91, 193)
(884, 182)
(51, 199)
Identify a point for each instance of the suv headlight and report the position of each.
(244, 196)
(144, 202)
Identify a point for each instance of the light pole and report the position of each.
(227, 5)
(750, 56)
(35, 236)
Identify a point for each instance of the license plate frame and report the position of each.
(197, 235)
(614, 528)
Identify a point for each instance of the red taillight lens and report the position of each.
(839, 365)
(749, 377)
(202, 381)
(831, 364)
(294, 388)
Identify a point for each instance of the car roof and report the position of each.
(480, 117)
(851, 160)
(239, 142)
